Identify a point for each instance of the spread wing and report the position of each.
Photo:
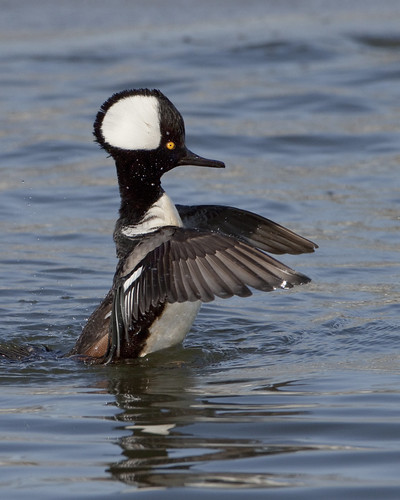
(189, 265)
(249, 227)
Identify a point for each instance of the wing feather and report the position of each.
(205, 290)
(189, 265)
(255, 230)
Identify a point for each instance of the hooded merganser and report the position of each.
(172, 258)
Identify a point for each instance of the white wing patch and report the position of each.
(131, 297)
(133, 278)
(133, 123)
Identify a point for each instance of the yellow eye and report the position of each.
(170, 145)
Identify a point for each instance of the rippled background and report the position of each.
(293, 394)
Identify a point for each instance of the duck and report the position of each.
(172, 258)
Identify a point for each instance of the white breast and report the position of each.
(162, 213)
(171, 327)
(176, 319)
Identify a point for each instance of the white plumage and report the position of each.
(133, 123)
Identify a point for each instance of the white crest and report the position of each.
(133, 123)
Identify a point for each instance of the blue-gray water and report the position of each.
(293, 394)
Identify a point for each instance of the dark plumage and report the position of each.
(172, 258)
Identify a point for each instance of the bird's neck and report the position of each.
(137, 193)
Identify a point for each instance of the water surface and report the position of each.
(288, 394)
